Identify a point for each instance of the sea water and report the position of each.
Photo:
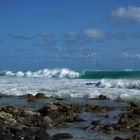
(66, 83)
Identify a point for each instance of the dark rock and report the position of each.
(78, 119)
(30, 98)
(133, 105)
(95, 122)
(89, 83)
(61, 99)
(4, 96)
(91, 108)
(60, 112)
(47, 122)
(40, 96)
(62, 136)
(102, 97)
(96, 126)
(42, 135)
(131, 138)
(137, 111)
(108, 128)
(6, 137)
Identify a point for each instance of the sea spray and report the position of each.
(48, 73)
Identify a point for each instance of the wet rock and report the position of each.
(136, 127)
(4, 96)
(95, 122)
(96, 126)
(47, 122)
(42, 135)
(90, 83)
(8, 118)
(108, 128)
(6, 137)
(91, 108)
(30, 98)
(102, 97)
(60, 112)
(10, 109)
(40, 96)
(131, 138)
(137, 111)
(74, 119)
(61, 99)
(133, 105)
(62, 136)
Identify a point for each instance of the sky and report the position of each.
(74, 34)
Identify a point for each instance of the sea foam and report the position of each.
(55, 73)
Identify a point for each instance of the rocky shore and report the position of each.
(24, 124)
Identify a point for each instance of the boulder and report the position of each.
(62, 136)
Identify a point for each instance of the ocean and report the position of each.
(65, 83)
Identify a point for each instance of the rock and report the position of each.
(91, 108)
(96, 126)
(61, 99)
(62, 136)
(131, 138)
(102, 97)
(30, 98)
(137, 111)
(119, 138)
(136, 127)
(47, 122)
(40, 96)
(8, 118)
(95, 122)
(10, 109)
(42, 135)
(133, 105)
(4, 96)
(78, 119)
(6, 137)
(108, 128)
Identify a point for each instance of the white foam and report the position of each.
(118, 83)
(9, 73)
(62, 87)
(20, 74)
(57, 73)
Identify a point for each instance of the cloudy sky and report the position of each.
(75, 34)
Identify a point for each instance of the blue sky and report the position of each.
(75, 34)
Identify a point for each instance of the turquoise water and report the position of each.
(66, 73)
(110, 74)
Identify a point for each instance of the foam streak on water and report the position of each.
(78, 88)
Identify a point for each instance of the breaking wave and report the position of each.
(118, 84)
(55, 73)
(66, 73)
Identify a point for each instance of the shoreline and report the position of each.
(60, 119)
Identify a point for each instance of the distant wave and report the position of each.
(55, 73)
(126, 74)
(67, 73)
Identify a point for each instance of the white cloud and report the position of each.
(131, 13)
(94, 33)
(127, 55)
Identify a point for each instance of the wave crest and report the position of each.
(55, 73)
(124, 84)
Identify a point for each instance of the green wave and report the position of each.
(110, 74)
